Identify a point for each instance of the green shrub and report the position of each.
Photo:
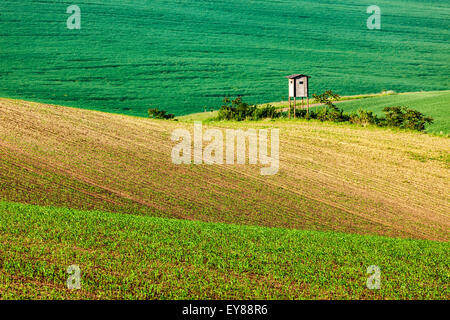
(268, 111)
(239, 110)
(330, 112)
(364, 118)
(394, 116)
(400, 117)
(415, 120)
(327, 98)
(406, 118)
(160, 114)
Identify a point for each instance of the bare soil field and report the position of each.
(331, 178)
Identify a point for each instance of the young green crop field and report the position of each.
(180, 56)
(134, 257)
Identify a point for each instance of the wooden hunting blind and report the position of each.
(298, 88)
(298, 85)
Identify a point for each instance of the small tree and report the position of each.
(404, 117)
(394, 116)
(415, 120)
(364, 118)
(327, 99)
(330, 112)
(266, 112)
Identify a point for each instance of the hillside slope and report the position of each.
(332, 177)
(131, 257)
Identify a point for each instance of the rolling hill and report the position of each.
(130, 55)
(331, 178)
(100, 190)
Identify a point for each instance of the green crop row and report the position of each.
(137, 257)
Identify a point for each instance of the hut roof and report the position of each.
(295, 76)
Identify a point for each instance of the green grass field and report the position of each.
(183, 55)
(135, 257)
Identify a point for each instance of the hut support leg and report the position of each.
(289, 107)
(295, 106)
(307, 108)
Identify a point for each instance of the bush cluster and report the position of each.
(400, 117)
(406, 118)
(160, 114)
(239, 110)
